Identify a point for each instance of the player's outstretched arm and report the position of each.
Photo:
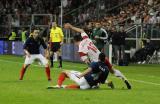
(69, 26)
(85, 72)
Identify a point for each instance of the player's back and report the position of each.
(86, 46)
(99, 73)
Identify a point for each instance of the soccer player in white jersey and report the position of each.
(89, 53)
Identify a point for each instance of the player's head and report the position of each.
(54, 24)
(102, 57)
(35, 32)
(77, 39)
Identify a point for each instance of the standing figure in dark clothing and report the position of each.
(118, 42)
(32, 51)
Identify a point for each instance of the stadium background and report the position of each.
(141, 19)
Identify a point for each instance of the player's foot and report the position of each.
(51, 66)
(127, 84)
(54, 87)
(95, 87)
(20, 78)
(110, 84)
(60, 67)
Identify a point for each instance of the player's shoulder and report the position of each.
(29, 38)
(58, 28)
(84, 35)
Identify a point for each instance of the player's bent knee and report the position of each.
(66, 72)
(111, 70)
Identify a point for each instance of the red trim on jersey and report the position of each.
(82, 54)
(108, 63)
(85, 37)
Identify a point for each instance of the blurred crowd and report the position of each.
(28, 6)
(132, 12)
(137, 12)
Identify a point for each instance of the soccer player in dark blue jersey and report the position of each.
(32, 52)
(95, 75)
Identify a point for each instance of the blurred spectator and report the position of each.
(99, 36)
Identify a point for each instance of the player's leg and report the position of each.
(80, 82)
(57, 49)
(44, 61)
(117, 73)
(61, 78)
(59, 58)
(65, 74)
(23, 70)
(28, 61)
(51, 58)
(51, 54)
(72, 86)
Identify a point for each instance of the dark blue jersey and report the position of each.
(98, 74)
(33, 45)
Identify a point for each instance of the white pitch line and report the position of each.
(145, 82)
(140, 81)
(18, 62)
(35, 64)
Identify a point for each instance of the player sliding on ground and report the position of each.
(32, 51)
(89, 53)
(92, 77)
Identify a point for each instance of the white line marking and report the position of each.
(145, 82)
(35, 64)
(19, 63)
(140, 81)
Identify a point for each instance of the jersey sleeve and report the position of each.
(26, 43)
(83, 52)
(84, 35)
(43, 44)
(61, 32)
(50, 35)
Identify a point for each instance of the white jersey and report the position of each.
(87, 49)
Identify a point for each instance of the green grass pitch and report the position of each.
(145, 80)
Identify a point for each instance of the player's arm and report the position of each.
(85, 72)
(46, 53)
(25, 47)
(62, 36)
(84, 58)
(69, 26)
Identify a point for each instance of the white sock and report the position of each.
(118, 74)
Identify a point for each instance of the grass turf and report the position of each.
(145, 80)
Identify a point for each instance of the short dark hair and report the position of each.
(77, 38)
(102, 57)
